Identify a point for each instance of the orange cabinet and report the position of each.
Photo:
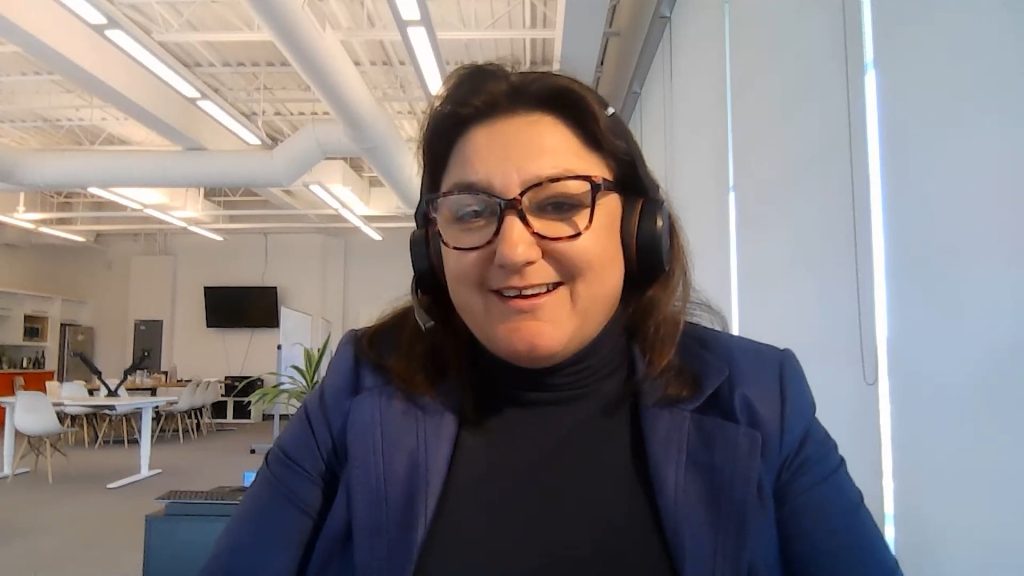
(34, 380)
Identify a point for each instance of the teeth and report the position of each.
(529, 291)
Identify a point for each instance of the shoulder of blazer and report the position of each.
(756, 385)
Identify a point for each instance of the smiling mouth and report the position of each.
(529, 292)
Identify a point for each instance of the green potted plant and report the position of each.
(294, 386)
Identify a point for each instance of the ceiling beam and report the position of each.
(578, 47)
(67, 46)
(328, 69)
(629, 54)
(189, 37)
(38, 77)
(305, 225)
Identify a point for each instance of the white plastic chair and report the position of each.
(53, 390)
(72, 390)
(53, 393)
(183, 407)
(207, 394)
(213, 395)
(124, 415)
(35, 419)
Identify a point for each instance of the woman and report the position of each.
(541, 407)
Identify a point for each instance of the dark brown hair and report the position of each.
(418, 361)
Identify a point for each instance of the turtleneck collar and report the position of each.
(601, 364)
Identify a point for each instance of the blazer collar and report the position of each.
(703, 471)
(709, 370)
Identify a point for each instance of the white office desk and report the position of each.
(146, 404)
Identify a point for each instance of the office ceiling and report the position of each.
(68, 93)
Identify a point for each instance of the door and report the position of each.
(75, 340)
(149, 336)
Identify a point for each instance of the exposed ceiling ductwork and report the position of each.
(280, 167)
(325, 65)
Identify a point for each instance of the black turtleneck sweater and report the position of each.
(552, 477)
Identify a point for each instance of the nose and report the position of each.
(515, 246)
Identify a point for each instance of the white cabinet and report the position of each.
(10, 318)
(29, 319)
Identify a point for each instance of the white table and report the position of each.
(146, 404)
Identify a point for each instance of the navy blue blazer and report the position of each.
(747, 481)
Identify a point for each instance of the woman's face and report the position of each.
(504, 156)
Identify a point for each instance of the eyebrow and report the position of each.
(476, 186)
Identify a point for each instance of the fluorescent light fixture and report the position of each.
(371, 232)
(424, 53)
(29, 216)
(228, 122)
(206, 233)
(147, 59)
(114, 198)
(147, 196)
(16, 222)
(348, 198)
(348, 215)
(85, 11)
(408, 9)
(345, 212)
(359, 223)
(323, 195)
(165, 217)
(61, 234)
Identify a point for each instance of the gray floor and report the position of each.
(77, 526)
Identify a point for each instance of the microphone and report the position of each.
(422, 318)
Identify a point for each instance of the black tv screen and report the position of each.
(241, 307)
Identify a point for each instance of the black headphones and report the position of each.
(646, 240)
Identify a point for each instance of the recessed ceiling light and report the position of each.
(165, 217)
(408, 9)
(61, 234)
(114, 198)
(424, 53)
(85, 11)
(147, 59)
(16, 222)
(204, 232)
(228, 122)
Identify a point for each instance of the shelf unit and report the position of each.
(24, 312)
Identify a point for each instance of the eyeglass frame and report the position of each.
(598, 184)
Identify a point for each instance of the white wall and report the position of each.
(50, 269)
(680, 122)
(796, 237)
(377, 278)
(797, 182)
(951, 88)
(341, 281)
(298, 265)
(151, 290)
(97, 276)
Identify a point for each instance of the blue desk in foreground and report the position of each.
(180, 537)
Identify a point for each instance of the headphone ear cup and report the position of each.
(630, 220)
(426, 262)
(646, 243)
(653, 241)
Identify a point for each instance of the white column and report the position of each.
(950, 93)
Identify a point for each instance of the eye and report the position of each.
(466, 214)
(559, 206)
(467, 209)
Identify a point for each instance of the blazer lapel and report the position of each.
(704, 474)
(410, 445)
